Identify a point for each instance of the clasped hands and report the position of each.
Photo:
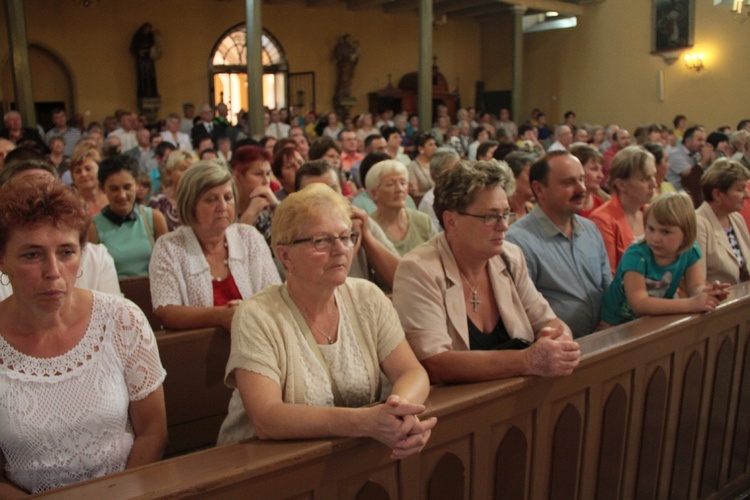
(395, 424)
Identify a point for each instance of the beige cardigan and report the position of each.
(266, 339)
(719, 261)
(428, 295)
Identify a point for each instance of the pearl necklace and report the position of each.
(218, 279)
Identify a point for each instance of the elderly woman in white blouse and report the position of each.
(201, 271)
(307, 356)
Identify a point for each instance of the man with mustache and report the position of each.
(565, 253)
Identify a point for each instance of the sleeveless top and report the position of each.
(128, 243)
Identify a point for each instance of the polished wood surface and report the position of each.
(659, 408)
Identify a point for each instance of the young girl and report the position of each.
(650, 271)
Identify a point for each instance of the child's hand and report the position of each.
(704, 302)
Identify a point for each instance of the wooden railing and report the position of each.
(659, 408)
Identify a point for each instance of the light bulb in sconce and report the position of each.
(694, 61)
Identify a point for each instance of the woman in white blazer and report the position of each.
(722, 233)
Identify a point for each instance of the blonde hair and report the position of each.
(722, 175)
(675, 209)
(626, 163)
(299, 208)
(175, 159)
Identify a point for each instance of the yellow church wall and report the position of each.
(94, 43)
(604, 71)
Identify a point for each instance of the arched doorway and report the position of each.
(228, 71)
(51, 80)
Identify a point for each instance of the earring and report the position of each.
(80, 272)
(1, 279)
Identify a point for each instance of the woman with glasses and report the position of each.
(202, 270)
(307, 354)
(387, 184)
(465, 299)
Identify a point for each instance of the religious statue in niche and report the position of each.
(346, 54)
(146, 47)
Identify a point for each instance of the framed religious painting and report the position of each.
(673, 25)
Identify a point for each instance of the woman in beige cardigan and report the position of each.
(722, 233)
(308, 354)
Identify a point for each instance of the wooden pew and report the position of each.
(658, 408)
(194, 389)
(138, 290)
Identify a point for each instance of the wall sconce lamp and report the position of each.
(694, 61)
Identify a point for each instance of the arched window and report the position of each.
(228, 71)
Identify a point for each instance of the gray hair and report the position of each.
(196, 180)
(457, 188)
(441, 159)
(380, 170)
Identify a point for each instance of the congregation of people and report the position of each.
(353, 260)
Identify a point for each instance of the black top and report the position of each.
(480, 341)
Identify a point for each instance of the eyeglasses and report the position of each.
(491, 219)
(325, 242)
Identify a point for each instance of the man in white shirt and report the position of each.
(276, 128)
(563, 138)
(126, 131)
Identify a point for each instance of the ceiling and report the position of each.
(461, 8)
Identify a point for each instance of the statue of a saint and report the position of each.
(146, 47)
(346, 54)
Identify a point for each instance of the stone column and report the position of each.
(424, 105)
(254, 28)
(518, 12)
(15, 21)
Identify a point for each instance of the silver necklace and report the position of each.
(474, 290)
(312, 324)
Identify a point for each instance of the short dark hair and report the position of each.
(163, 147)
(523, 129)
(486, 146)
(367, 163)
(389, 131)
(518, 160)
(714, 138)
(370, 138)
(477, 131)
(743, 123)
(117, 163)
(320, 147)
(539, 170)
(313, 168)
(12, 169)
(690, 132)
(566, 115)
(655, 149)
(678, 119)
(421, 138)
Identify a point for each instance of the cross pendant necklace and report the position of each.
(474, 290)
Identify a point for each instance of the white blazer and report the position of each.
(719, 260)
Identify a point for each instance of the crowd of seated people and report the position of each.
(291, 243)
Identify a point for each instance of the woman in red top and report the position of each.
(620, 220)
(593, 162)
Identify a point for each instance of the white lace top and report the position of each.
(65, 419)
(180, 274)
